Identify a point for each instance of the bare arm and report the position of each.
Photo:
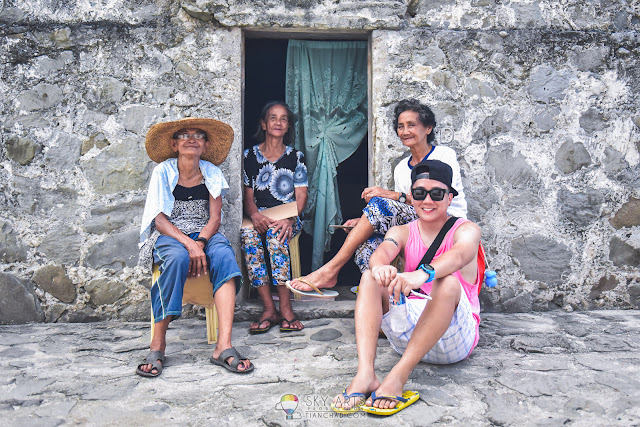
(460, 257)
(380, 262)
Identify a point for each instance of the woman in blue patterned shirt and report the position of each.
(274, 174)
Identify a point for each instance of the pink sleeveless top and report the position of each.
(415, 250)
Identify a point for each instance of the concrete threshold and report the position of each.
(316, 308)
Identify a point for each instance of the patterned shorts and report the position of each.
(254, 258)
(382, 214)
(454, 346)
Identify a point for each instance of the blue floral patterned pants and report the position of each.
(254, 257)
(382, 214)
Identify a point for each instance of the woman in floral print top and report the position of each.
(274, 174)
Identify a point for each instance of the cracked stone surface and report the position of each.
(553, 368)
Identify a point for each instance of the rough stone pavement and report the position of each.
(554, 368)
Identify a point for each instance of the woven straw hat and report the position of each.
(220, 135)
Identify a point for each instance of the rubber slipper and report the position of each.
(152, 359)
(270, 324)
(233, 366)
(358, 398)
(407, 398)
(289, 328)
(318, 293)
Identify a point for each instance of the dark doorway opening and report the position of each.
(265, 78)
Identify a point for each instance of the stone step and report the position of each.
(342, 307)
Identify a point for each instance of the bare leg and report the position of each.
(286, 310)
(368, 316)
(225, 299)
(159, 341)
(327, 275)
(269, 312)
(431, 326)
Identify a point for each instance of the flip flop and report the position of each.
(233, 366)
(152, 359)
(407, 398)
(289, 328)
(318, 293)
(347, 397)
(270, 324)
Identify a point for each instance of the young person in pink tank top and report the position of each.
(443, 329)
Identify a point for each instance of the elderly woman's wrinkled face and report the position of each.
(189, 142)
(277, 122)
(411, 130)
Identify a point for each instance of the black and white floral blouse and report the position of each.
(274, 183)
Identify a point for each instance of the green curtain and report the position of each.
(327, 90)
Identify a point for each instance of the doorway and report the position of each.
(265, 80)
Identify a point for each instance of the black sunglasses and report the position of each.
(437, 194)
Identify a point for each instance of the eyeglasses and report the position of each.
(437, 194)
(186, 136)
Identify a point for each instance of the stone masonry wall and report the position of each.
(538, 98)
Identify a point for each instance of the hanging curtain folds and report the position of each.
(326, 87)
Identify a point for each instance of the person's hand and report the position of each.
(350, 223)
(405, 283)
(371, 192)
(261, 222)
(384, 274)
(283, 228)
(197, 259)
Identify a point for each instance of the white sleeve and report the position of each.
(459, 203)
(402, 177)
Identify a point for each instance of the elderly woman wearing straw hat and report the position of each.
(179, 231)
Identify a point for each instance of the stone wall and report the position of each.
(538, 98)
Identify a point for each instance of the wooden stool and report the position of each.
(197, 291)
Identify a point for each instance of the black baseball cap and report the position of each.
(436, 170)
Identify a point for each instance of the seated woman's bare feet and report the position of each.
(324, 277)
(389, 387)
(360, 384)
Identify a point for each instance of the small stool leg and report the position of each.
(212, 324)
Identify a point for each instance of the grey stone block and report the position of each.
(572, 156)
(614, 161)
(54, 280)
(11, 249)
(97, 140)
(62, 245)
(119, 167)
(41, 97)
(511, 168)
(606, 283)
(106, 219)
(592, 121)
(116, 251)
(548, 84)
(18, 303)
(105, 291)
(139, 118)
(21, 150)
(581, 209)
(64, 154)
(327, 334)
(623, 254)
(541, 258)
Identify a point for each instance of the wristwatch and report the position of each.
(402, 198)
(429, 270)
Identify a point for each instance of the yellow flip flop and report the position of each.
(347, 397)
(407, 398)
